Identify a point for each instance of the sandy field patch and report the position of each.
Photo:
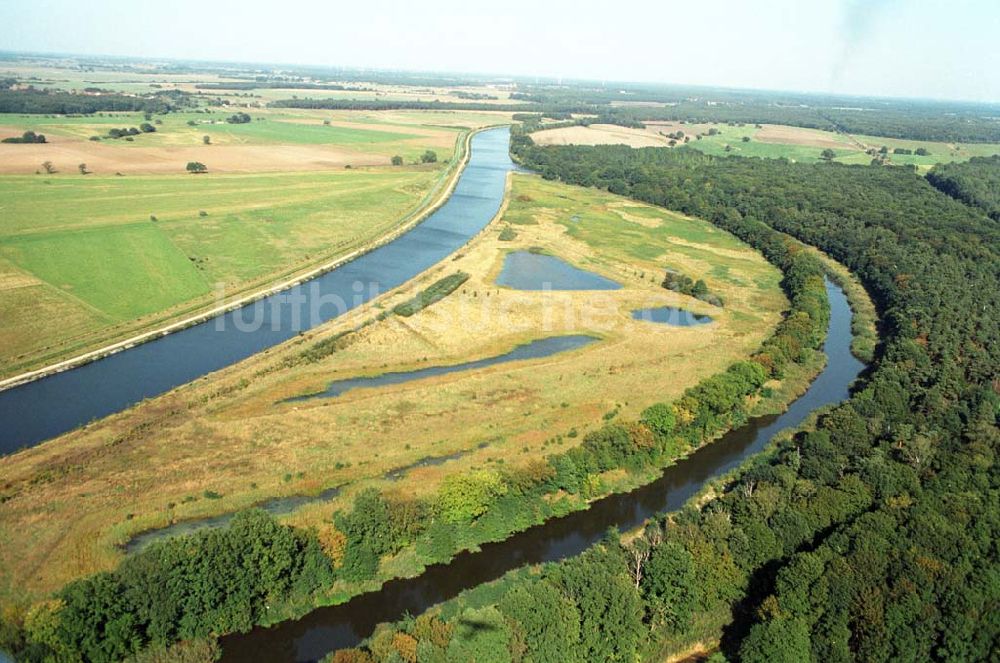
(599, 134)
(785, 135)
(67, 154)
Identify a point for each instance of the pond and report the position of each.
(671, 315)
(526, 270)
(545, 347)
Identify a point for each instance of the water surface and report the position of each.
(524, 270)
(671, 315)
(545, 347)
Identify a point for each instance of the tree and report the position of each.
(397, 160)
(147, 128)
(49, 168)
(465, 497)
(828, 155)
(670, 586)
(482, 636)
(207, 140)
(544, 622)
(83, 169)
(430, 156)
(196, 167)
(777, 641)
(660, 418)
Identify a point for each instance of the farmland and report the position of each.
(507, 414)
(173, 241)
(133, 242)
(767, 141)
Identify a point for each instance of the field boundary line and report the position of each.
(119, 346)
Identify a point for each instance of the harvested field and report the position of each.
(599, 134)
(784, 135)
(66, 154)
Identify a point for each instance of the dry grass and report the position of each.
(66, 153)
(72, 501)
(784, 135)
(599, 134)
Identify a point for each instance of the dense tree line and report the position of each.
(57, 102)
(277, 85)
(391, 104)
(975, 182)
(916, 120)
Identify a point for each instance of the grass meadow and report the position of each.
(88, 250)
(69, 504)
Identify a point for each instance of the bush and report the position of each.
(26, 137)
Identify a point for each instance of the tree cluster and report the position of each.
(26, 137)
(975, 182)
(214, 581)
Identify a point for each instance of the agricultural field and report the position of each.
(284, 192)
(105, 255)
(271, 142)
(77, 504)
(767, 141)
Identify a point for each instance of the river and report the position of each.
(326, 629)
(50, 406)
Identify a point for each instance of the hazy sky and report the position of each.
(923, 48)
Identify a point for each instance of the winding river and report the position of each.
(326, 629)
(50, 406)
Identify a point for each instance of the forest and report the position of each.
(36, 101)
(868, 536)
(975, 182)
(918, 120)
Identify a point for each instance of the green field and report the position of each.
(87, 252)
(267, 128)
(849, 151)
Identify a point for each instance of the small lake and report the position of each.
(671, 315)
(524, 270)
(278, 506)
(544, 347)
